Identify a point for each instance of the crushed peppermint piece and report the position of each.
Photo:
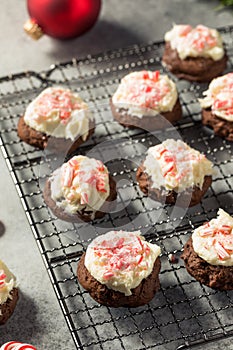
(2, 278)
(221, 251)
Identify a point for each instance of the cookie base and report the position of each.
(141, 295)
(221, 127)
(41, 140)
(147, 123)
(7, 309)
(190, 197)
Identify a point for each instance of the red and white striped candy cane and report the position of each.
(14, 345)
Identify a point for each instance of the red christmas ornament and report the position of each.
(62, 19)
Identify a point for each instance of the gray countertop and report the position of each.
(38, 318)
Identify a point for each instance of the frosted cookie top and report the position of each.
(219, 97)
(174, 165)
(200, 41)
(7, 282)
(14, 345)
(145, 93)
(213, 241)
(121, 260)
(59, 112)
(80, 183)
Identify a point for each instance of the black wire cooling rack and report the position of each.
(183, 312)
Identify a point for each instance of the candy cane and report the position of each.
(13, 345)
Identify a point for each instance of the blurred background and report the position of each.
(120, 23)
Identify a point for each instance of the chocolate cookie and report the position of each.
(147, 122)
(222, 128)
(147, 100)
(7, 308)
(213, 276)
(141, 295)
(41, 140)
(83, 215)
(192, 196)
(199, 69)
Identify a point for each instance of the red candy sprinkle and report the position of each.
(2, 278)
(220, 104)
(162, 151)
(148, 88)
(145, 75)
(168, 158)
(156, 75)
(2, 275)
(139, 259)
(168, 170)
(100, 183)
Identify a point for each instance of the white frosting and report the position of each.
(121, 260)
(7, 282)
(213, 241)
(59, 112)
(219, 97)
(81, 183)
(145, 93)
(176, 166)
(200, 41)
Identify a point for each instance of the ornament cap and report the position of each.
(33, 29)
